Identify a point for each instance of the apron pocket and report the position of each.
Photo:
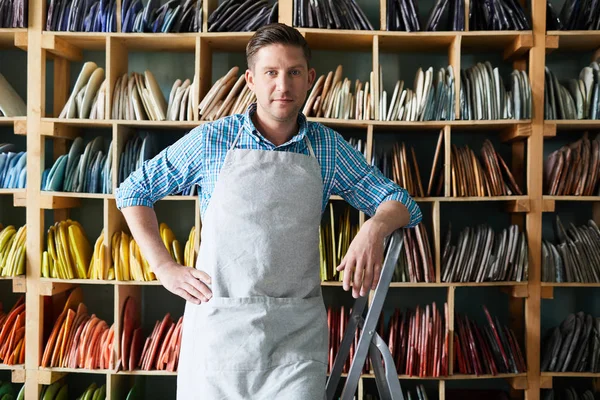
(259, 333)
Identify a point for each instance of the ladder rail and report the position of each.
(387, 380)
(356, 320)
(368, 335)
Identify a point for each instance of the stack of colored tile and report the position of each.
(12, 250)
(332, 97)
(79, 340)
(242, 15)
(419, 341)
(68, 253)
(573, 170)
(490, 350)
(229, 95)
(85, 169)
(87, 100)
(487, 176)
(12, 334)
(160, 351)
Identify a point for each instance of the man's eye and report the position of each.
(295, 72)
(271, 73)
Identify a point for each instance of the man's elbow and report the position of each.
(405, 209)
(404, 213)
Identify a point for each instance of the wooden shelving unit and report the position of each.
(526, 50)
(13, 38)
(573, 40)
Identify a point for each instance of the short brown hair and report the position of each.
(276, 33)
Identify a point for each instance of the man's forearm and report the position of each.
(390, 215)
(144, 228)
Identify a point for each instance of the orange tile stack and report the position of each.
(79, 340)
(12, 334)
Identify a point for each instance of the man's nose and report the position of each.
(283, 82)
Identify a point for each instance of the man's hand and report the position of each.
(187, 282)
(362, 263)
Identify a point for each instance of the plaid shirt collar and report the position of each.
(251, 130)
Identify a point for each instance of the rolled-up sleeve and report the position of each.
(364, 186)
(173, 170)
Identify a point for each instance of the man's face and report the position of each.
(280, 78)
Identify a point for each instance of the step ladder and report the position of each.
(369, 342)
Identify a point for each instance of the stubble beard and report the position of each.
(292, 115)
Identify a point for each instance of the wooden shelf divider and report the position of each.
(526, 50)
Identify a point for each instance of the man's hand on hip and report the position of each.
(186, 282)
(362, 263)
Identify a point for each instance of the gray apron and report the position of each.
(263, 335)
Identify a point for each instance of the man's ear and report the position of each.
(312, 74)
(249, 79)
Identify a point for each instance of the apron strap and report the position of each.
(312, 153)
(236, 140)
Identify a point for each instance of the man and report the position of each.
(255, 325)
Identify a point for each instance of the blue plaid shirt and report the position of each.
(198, 156)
